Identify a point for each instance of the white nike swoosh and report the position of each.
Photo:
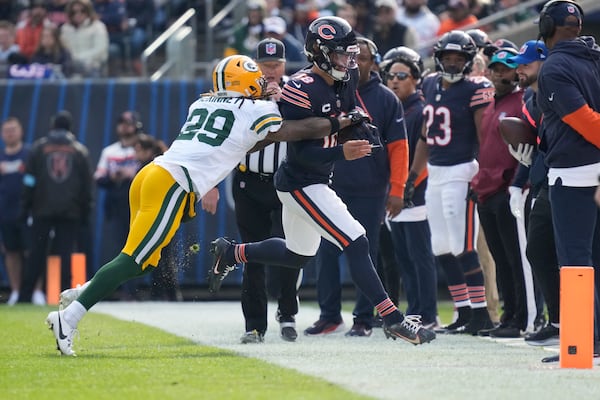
(551, 98)
(296, 84)
(399, 119)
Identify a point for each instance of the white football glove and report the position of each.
(517, 201)
(522, 153)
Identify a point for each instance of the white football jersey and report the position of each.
(218, 132)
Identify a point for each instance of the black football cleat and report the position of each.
(410, 329)
(220, 267)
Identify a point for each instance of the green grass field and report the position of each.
(132, 361)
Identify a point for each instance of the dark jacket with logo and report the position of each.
(58, 178)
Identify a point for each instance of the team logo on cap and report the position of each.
(571, 9)
(271, 49)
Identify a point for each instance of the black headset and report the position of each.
(547, 25)
(372, 48)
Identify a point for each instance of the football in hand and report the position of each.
(514, 131)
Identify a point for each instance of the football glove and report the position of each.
(357, 115)
(361, 131)
(409, 190)
(523, 153)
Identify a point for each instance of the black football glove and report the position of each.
(357, 116)
(409, 190)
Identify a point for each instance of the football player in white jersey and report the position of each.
(220, 128)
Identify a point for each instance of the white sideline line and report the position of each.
(451, 367)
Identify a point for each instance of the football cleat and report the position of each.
(252, 337)
(220, 267)
(324, 327)
(63, 332)
(410, 329)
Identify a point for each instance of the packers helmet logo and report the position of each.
(250, 66)
(327, 31)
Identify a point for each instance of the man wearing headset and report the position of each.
(569, 98)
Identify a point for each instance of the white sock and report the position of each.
(74, 313)
(84, 286)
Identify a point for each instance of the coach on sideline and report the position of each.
(569, 97)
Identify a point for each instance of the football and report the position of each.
(514, 131)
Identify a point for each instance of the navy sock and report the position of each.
(270, 251)
(366, 279)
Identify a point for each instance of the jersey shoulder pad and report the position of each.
(265, 117)
(299, 89)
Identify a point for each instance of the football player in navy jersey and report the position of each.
(311, 209)
(453, 109)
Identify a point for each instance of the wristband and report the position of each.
(335, 124)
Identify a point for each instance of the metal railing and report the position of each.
(162, 39)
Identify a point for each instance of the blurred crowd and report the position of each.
(45, 39)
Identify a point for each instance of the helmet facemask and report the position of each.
(452, 73)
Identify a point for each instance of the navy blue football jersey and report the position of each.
(307, 94)
(449, 118)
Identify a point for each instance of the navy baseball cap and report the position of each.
(270, 49)
(531, 51)
(502, 56)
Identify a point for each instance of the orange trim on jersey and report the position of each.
(422, 176)
(299, 195)
(528, 116)
(398, 156)
(296, 96)
(586, 122)
(470, 226)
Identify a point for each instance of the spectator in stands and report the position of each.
(12, 228)
(416, 15)
(459, 15)
(8, 46)
(115, 171)
(85, 36)
(57, 193)
(29, 31)
(249, 31)
(9, 10)
(52, 53)
(365, 16)
(304, 13)
(348, 12)
(523, 15)
(114, 16)
(140, 14)
(389, 33)
(276, 27)
(56, 10)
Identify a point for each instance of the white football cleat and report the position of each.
(68, 296)
(63, 332)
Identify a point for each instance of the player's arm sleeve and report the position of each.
(314, 153)
(397, 148)
(398, 155)
(586, 122)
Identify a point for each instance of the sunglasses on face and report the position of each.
(400, 75)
